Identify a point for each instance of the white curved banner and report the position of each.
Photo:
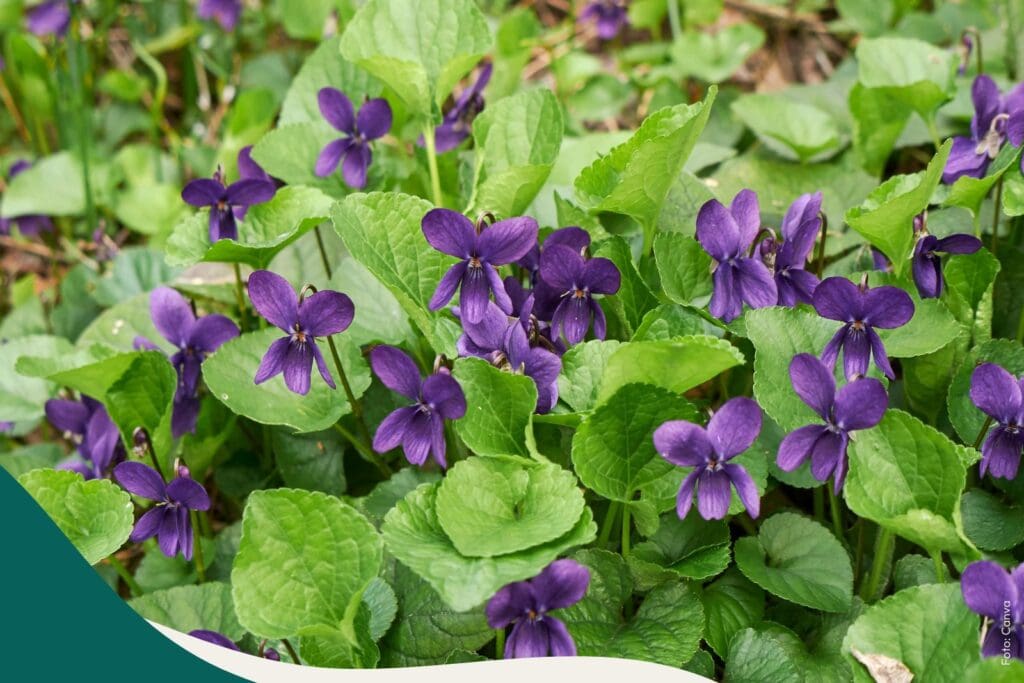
(503, 671)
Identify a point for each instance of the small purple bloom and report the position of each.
(215, 638)
(352, 151)
(970, 156)
(87, 423)
(168, 520)
(195, 339)
(418, 428)
(526, 605)
(726, 234)
(993, 592)
(224, 12)
(861, 309)
(458, 121)
(481, 251)
(1000, 395)
(50, 18)
(610, 17)
(30, 225)
(505, 345)
(708, 451)
(6, 427)
(224, 200)
(858, 405)
(927, 264)
(576, 238)
(576, 280)
(799, 230)
(303, 320)
(880, 261)
(964, 49)
(248, 169)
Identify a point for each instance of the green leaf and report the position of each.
(379, 316)
(414, 536)
(668, 322)
(96, 515)
(386, 494)
(677, 365)
(757, 655)
(684, 267)
(306, 19)
(380, 599)
(799, 561)
(665, 629)
(426, 630)
(927, 628)
(966, 418)
(911, 71)
(135, 270)
(799, 131)
(490, 507)
(634, 178)
(187, 608)
(731, 604)
(690, 548)
(289, 152)
(23, 397)
(990, 523)
(878, 121)
(907, 477)
(778, 334)
(516, 141)
(157, 572)
(382, 231)
(349, 646)
(613, 450)
(499, 406)
(634, 297)
(324, 67)
(714, 57)
(913, 570)
(995, 670)
(119, 325)
(421, 55)
(27, 458)
(34, 191)
(930, 329)
(886, 217)
(314, 462)
(229, 374)
(304, 556)
(583, 367)
(266, 230)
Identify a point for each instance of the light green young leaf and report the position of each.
(186, 608)
(22, 397)
(912, 71)
(583, 368)
(684, 267)
(324, 68)
(731, 603)
(797, 130)
(96, 515)
(714, 57)
(690, 548)
(304, 556)
(499, 407)
(421, 55)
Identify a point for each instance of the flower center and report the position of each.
(858, 325)
(579, 293)
(713, 464)
(532, 615)
(474, 262)
(222, 205)
(993, 139)
(298, 334)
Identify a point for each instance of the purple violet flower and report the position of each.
(303, 320)
(168, 520)
(30, 225)
(993, 592)
(224, 12)
(224, 200)
(248, 169)
(708, 451)
(352, 151)
(220, 639)
(418, 428)
(576, 280)
(787, 259)
(610, 17)
(195, 339)
(458, 121)
(87, 423)
(50, 18)
(1000, 395)
(526, 605)
(858, 405)
(861, 309)
(927, 264)
(970, 156)
(481, 251)
(505, 345)
(727, 234)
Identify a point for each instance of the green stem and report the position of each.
(988, 420)
(291, 651)
(243, 310)
(83, 111)
(499, 643)
(366, 455)
(673, 19)
(125, 575)
(821, 244)
(819, 504)
(606, 526)
(435, 176)
(357, 407)
(996, 214)
(837, 512)
(933, 131)
(627, 528)
(1020, 328)
(197, 546)
(940, 568)
(323, 252)
(883, 550)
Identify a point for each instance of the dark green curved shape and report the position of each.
(60, 621)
